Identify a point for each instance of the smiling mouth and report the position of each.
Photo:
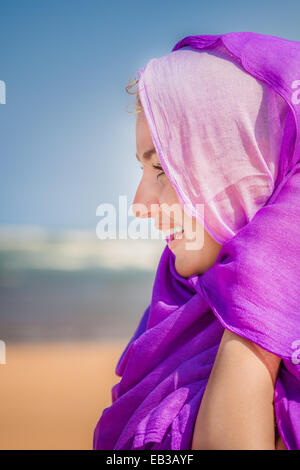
(175, 236)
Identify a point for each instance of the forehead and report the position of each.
(144, 140)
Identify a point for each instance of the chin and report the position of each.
(181, 269)
(186, 266)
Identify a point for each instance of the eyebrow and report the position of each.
(146, 155)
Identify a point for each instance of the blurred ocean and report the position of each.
(69, 285)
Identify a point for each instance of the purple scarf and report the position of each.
(252, 290)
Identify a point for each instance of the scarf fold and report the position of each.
(253, 287)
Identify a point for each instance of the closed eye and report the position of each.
(158, 167)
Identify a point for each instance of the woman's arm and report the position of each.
(237, 409)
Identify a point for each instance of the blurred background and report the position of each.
(69, 301)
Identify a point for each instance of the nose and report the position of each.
(145, 208)
(145, 203)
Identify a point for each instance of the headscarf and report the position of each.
(218, 133)
(223, 112)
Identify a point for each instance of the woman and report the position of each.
(218, 131)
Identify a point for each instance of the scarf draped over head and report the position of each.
(224, 114)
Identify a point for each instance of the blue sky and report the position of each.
(67, 143)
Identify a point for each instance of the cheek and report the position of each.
(169, 197)
(171, 193)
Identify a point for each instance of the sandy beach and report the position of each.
(53, 394)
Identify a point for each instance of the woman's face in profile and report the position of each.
(155, 197)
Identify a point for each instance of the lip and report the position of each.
(173, 243)
(166, 227)
(170, 241)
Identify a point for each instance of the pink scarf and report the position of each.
(218, 133)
